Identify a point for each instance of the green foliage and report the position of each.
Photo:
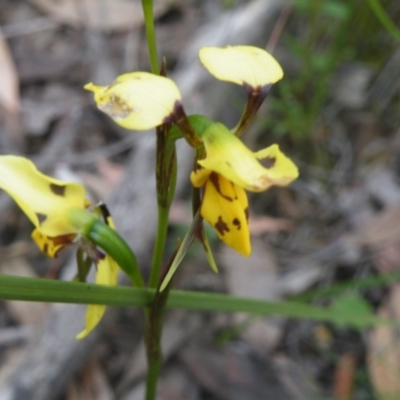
(349, 304)
(323, 35)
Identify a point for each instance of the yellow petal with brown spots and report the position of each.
(51, 245)
(228, 156)
(225, 208)
(46, 201)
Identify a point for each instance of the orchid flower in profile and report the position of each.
(228, 169)
(58, 210)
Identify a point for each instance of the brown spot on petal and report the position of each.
(221, 226)
(268, 162)
(63, 240)
(246, 213)
(58, 190)
(236, 222)
(214, 178)
(105, 212)
(117, 108)
(41, 217)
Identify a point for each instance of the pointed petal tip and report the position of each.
(90, 86)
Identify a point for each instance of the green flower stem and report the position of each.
(153, 332)
(161, 237)
(166, 172)
(165, 183)
(381, 14)
(45, 290)
(147, 6)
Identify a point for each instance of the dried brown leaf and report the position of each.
(260, 225)
(382, 229)
(383, 356)
(345, 376)
(9, 82)
(105, 15)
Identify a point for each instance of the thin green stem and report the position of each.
(161, 237)
(45, 290)
(153, 372)
(153, 329)
(147, 6)
(154, 325)
(381, 14)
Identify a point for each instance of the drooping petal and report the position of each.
(228, 156)
(225, 208)
(107, 273)
(46, 201)
(137, 100)
(243, 65)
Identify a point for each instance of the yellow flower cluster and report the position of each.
(225, 167)
(141, 101)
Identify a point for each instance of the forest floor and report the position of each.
(332, 237)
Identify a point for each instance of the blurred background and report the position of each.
(331, 239)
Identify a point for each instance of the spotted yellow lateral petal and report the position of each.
(228, 156)
(243, 65)
(51, 245)
(107, 273)
(225, 208)
(46, 201)
(138, 100)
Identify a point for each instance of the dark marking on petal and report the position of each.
(221, 226)
(41, 217)
(58, 190)
(246, 213)
(214, 178)
(177, 114)
(45, 248)
(97, 256)
(258, 91)
(63, 240)
(268, 162)
(237, 223)
(117, 108)
(105, 212)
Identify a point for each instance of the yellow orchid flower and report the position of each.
(58, 211)
(137, 100)
(228, 168)
(243, 65)
(248, 66)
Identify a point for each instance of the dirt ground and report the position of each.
(328, 238)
